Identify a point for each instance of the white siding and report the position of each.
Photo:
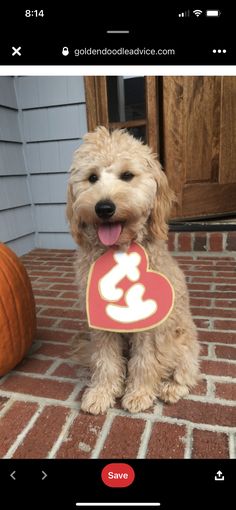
(11, 159)
(42, 122)
(49, 188)
(47, 157)
(16, 221)
(53, 120)
(37, 91)
(14, 225)
(50, 218)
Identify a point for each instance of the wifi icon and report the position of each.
(197, 12)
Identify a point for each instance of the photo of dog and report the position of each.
(118, 194)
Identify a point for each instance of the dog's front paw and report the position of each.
(96, 401)
(137, 401)
(170, 391)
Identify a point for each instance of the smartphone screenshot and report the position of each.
(118, 257)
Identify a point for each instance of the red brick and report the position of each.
(215, 241)
(61, 286)
(166, 441)
(207, 274)
(227, 274)
(200, 302)
(200, 389)
(81, 438)
(202, 412)
(44, 322)
(70, 295)
(54, 350)
(124, 439)
(212, 279)
(212, 258)
(226, 264)
(72, 313)
(56, 279)
(171, 241)
(216, 295)
(41, 272)
(199, 286)
(213, 312)
(72, 324)
(38, 387)
(226, 325)
(55, 302)
(204, 350)
(39, 285)
(225, 352)
(13, 422)
(216, 336)
(209, 445)
(219, 368)
(34, 365)
(200, 241)
(54, 335)
(202, 323)
(226, 390)
(41, 438)
(184, 242)
(65, 370)
(3, 401)
(227, 288)
(46, 293)
(225, 303)
(231, 241)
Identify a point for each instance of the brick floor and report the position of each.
(40, 400)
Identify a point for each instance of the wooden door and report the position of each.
(106, 106)
(199, 144)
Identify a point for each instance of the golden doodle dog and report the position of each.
(118, 194)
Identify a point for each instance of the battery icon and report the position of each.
(213, 14)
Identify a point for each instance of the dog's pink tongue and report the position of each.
(109, 233)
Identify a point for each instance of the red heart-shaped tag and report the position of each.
(124, 295)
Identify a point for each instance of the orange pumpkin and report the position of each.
(17, 310)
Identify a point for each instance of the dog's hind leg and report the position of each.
(185, 372)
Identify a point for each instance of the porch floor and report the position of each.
(40, 413)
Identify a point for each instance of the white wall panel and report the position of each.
(13, 192)
(46, 157)
(60, 123)
(39, 91)
(49, 189)
(51, 218)
(7, 92)
(11, 159)
(16, 223)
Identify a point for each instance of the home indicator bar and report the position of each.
(140, 505)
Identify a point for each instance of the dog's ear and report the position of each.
(162, 204)
(72, 217)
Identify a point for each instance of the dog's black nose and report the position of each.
(105, 208)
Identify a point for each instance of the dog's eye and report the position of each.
(93, 178)
(126, 176)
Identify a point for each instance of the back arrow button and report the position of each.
(12, 475)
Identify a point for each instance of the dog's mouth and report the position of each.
(109, 233)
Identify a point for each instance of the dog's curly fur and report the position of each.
(161, 362)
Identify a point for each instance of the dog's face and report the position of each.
(117, 191)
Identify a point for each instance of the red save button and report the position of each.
(118, 475)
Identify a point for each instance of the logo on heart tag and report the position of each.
(124, 295)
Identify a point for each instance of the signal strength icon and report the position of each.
(197, 13)
(184, 14)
